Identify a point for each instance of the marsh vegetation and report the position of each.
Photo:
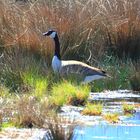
(104, 34)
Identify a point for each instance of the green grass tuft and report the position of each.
(67, 93)
(128, 108)
(93, 109)
(7, 124)
(112, 118)
(120, 71)
(37, 82)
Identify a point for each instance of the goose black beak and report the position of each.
(46, 34)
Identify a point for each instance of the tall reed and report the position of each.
(92, 27)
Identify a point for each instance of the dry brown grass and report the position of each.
(93, 29)
(61, 128)
(89, 26)
(24, 111)
(27, 110)
(123, 32)
(135, 81)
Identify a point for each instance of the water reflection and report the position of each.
(135, 119)
(128, 130)
(109, 132)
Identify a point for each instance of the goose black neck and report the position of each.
(57, 47)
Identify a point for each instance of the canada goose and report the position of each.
(88, 73)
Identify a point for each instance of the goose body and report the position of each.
(66, 67)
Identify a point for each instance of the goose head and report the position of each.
(56, 61)
(51, 33)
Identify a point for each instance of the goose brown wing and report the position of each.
(76, 67)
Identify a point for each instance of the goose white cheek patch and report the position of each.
(52, 35)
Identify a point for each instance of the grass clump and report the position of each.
(11, 79)
(7, 124)
(120, 71)
(60, 128)
(128, 108)
(4, 92)
(112, 118)
(135, 81)
(29, 112)
(93, 109)
(1, 119)
(37, 82)
(67, 93)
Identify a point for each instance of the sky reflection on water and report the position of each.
(128, 130)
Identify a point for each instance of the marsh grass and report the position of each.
(15, 64)
(6, 105)
(1, 117)
(7, 125)
(120, 72)
(92, 109)
(28, 111)
(60, 128)
(112, 118)
(92, 27)
(24, 110)
(128, 108)
(36, 82)
(104, 33)
(135, 81)
(66, 92)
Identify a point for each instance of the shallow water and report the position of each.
(112, 103)
(109, 132)
(92, 127)
(134, 120)
(127, 129)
